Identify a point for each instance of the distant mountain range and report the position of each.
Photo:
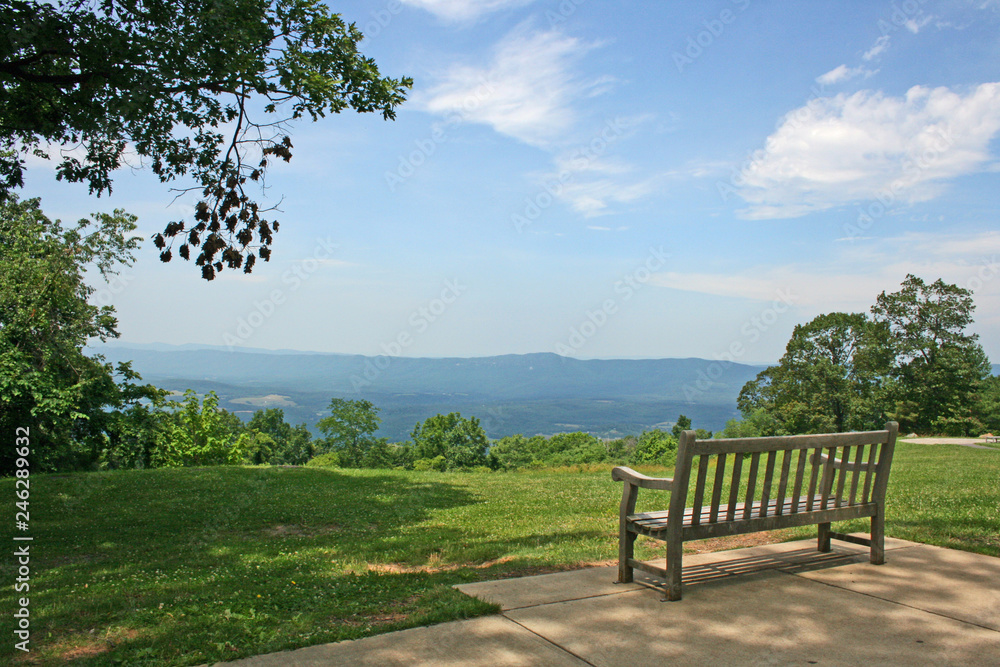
(529, 393)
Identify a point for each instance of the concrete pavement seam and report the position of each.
(549, 641)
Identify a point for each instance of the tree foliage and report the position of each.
(459, 442)
(292, 445)
(938, 367)
(349, 429)
(203, 434)
(202, 89)
(71, 402)
(824, 381)
(911, 361)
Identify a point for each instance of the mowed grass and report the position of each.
(190, 566)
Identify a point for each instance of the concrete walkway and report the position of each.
(976, 443)
(778, 604)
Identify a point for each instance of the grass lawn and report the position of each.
(181, 567)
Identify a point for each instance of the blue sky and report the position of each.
(609, 180)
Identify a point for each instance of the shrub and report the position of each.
(328, 460)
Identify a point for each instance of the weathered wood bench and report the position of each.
(805, 479)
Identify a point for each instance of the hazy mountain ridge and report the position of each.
(530, 393)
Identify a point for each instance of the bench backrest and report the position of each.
(785, 474)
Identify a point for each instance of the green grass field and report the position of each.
(188, 566)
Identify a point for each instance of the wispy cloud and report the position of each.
(849, 148)
(464, 10)
(857, 275)
(879, 47)
(526, 92)
(914, 25)
(841, 74)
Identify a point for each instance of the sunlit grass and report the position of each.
(199, 565)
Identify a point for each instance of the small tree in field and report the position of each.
(349, 429)
(460, 442)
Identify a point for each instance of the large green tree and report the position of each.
(912, 361)
(69, 400)
(938, 367)
(825, 380)
(201, 89)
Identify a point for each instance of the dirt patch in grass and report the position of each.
(293, 530)
(81, 647)
(433, 568)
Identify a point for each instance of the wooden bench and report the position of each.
(745, 485)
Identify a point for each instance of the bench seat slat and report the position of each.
(655, 523)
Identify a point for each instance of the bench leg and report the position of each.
(824, 538)
(675, 554)
(626, 550)
(878, 540)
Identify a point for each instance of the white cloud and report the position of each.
(850, 148)
(529, 91)
(858, 274)
(842, 73)
(526, 92)
(464, 10)
(836, 75)
(595, 197)
(880, 45)
(915, 25)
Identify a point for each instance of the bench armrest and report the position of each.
(623, 474)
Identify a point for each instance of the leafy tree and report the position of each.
(937, 367)
(256, 447)
(349, 428)
(911, 361)
(517, 451)
(197, 88)
(824, 381)
(203, 434)
(328, 460)
(67, 399)
(298, 449)
(565, 449)
(757, 423)
(683, 423)
(137, 431)
(292, 445)
(381, 454)
(461, 442)
(988, 404)
(655, 447)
